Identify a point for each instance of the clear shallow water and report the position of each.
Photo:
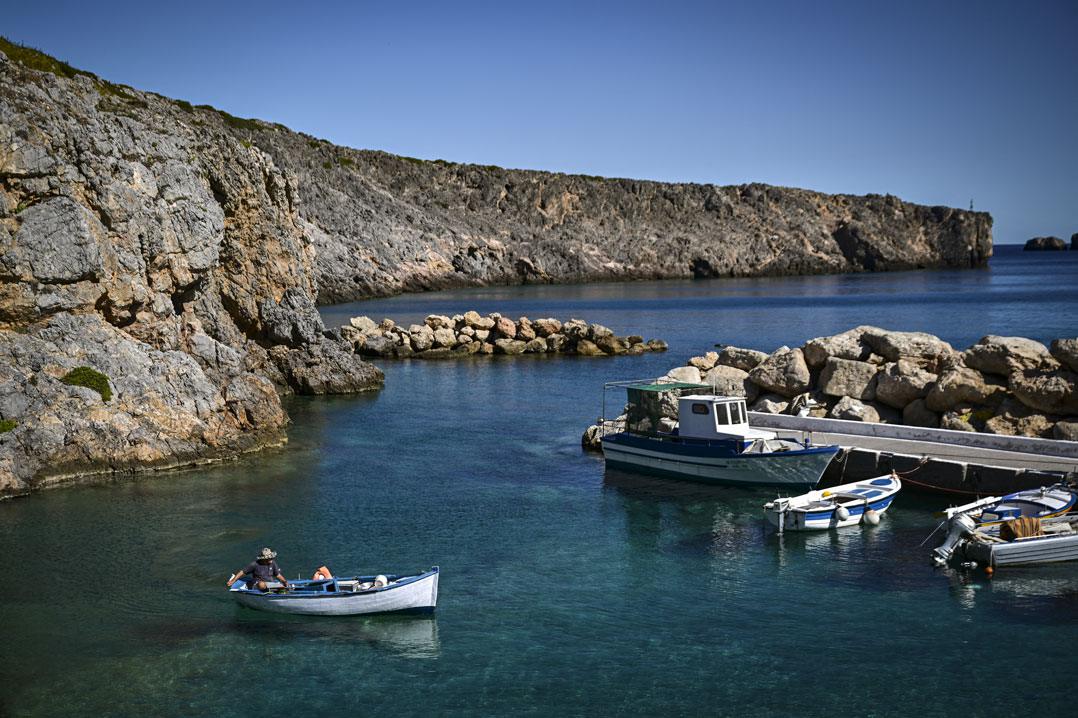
(565, 589)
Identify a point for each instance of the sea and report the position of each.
(565, 589)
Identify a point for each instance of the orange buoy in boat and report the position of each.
(988, 570)
(321, 573)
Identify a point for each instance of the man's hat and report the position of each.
(267, 554)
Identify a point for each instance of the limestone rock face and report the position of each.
(1066, 352)
(1050, 392)
(902, 382)
(1002, 355)
(853, 410)
(163, 252)
(847, 345)
(846, 377)
(784, 372)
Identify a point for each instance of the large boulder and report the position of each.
(853, 410)
(364, 325)
(847, 345)
(893, 346)
(505, 327)
(770, 404)
(445, 337)
(784, 372)
(739, 358)
(1065, 431)
(962, 385)
(525, 330)
(611, 344)
(509, 346)
(917, 414)
(439, 321)
(474, 320)
(687, 374)
(422, 337)
(585, 347)
(728, 381)
(1044, 244)
(847, 377)
(1066, 352)
(1052, 392)
(1015, 419)
(326, 368)
(902, 382)
(705, 362)
(1002, 355)
(546, 326)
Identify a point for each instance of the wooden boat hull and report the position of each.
(789, 469)
(414, 594)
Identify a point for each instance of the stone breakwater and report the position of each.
(468, 334)
(1000, 385)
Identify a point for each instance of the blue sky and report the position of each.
(935, 102)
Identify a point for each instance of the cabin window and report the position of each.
(738, 413)
(699, 408)
(722, 414)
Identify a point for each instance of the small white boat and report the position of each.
(838, 506)
(1023, 527)
(413, 593)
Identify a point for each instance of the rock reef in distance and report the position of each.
(1000, 385)
(1046, 244)
(469, 334)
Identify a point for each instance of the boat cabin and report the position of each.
(706, 416)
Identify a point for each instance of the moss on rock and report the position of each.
(89, 378)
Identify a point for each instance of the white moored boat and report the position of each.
(711, 441)
(846, 505)
(417, 593)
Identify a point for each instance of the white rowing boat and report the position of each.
(413, 593)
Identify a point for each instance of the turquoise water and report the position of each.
(564, 589)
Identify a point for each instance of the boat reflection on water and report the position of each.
(1030, 594)
(404, 636)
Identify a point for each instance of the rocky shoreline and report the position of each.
(469, 334)
(1000, 385)
(177, 253)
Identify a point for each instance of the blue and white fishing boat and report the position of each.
(838, 506)
(711, 440)
(356, 595)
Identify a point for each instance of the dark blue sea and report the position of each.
(566, 590)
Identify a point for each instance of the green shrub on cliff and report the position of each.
(37, 60)
(89, 378)
(7, 425)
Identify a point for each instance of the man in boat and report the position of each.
(264, 568)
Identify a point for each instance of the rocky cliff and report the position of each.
(178, 253)
(163, 254)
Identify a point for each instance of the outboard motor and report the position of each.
(961, 527)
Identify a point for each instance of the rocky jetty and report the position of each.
(1000, 385)
(157, 285)
(471, 333)
(1045, 244)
